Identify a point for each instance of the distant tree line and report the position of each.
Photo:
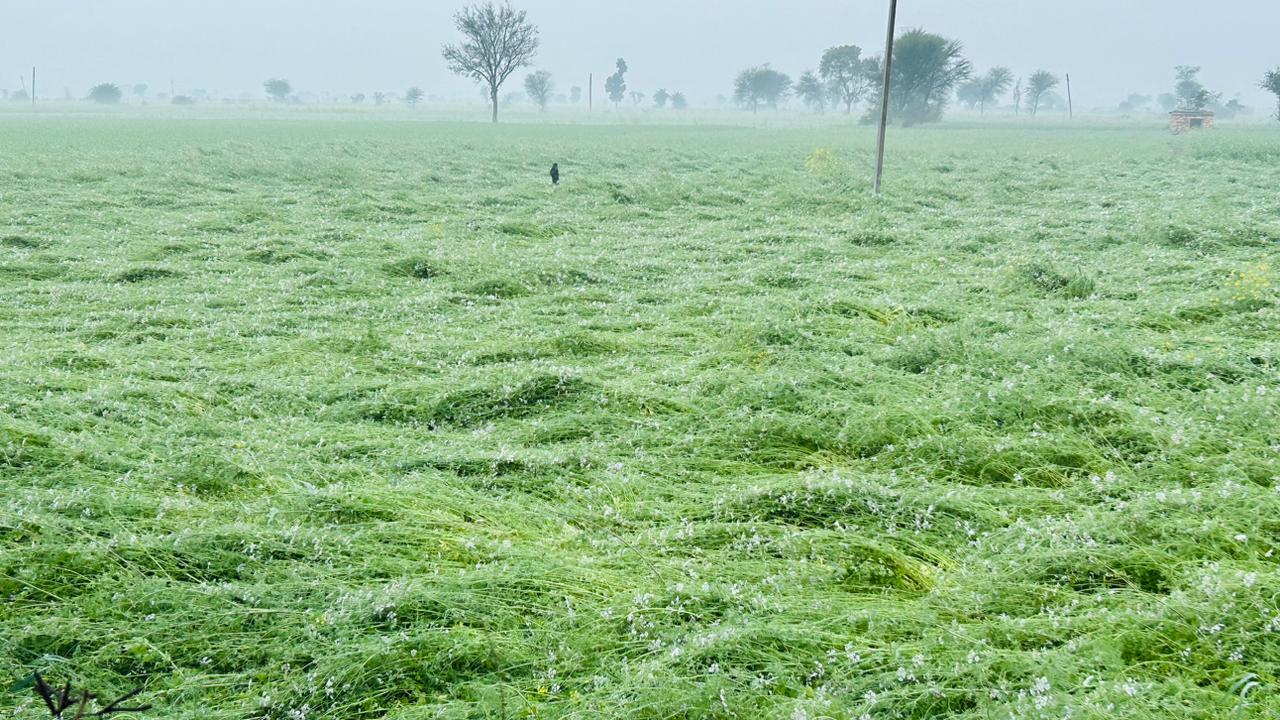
(929, 71)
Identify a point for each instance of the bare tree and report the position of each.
(497, 41)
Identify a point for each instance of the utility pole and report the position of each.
(33, 86)
(1071, 106)
(884, 99)
(591, 92)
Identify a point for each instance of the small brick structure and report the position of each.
(1184, 121)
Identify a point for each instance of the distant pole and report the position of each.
(591, 92)
(884, 99)
(1071, 106)
(33, 86)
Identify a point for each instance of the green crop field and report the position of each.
(312, 416)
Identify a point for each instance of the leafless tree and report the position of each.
(497, 41)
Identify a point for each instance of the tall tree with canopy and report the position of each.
(761, 84)
(616, 84)
(844, 71)
(1271, 83)
(539, 87)
(497, 41)
(278, 89)
(979, 91)
(1040, 83)
(926, 70)
(106, 94)
(812, 91)
(1191, 94)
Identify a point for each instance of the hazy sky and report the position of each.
(1110, 47)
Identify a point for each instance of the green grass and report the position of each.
(335, 418)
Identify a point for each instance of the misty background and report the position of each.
(1110, 47)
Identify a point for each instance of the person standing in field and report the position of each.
(555, 173)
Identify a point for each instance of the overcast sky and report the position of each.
(1110, 47)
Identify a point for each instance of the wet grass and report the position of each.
(326, 419)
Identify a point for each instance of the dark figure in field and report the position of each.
(555, 173)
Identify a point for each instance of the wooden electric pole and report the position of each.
(1071, 105)
(591, 92)
(884, 98)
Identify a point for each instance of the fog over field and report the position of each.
(1110, 48)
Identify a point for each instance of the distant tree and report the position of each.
(1134, 103)
(380, 98)
(1017, 97)
(969, 92)
(278, 90)
(497, 41)
(1168, 102)
(678, 101)
(989, 88)
(1041, 82)
(19, 96)
(1053, 101)
(813, 92)
(357, 99)
(182, 100)
(106, 94)
(1191, 94)
(616, 84)
(413, 96)
(844, 71)
(661, 98)
(539, 87)
(575, 94)
(926, 70)
(1271, 83)
(140, 91)
(759, 85)
(1230, 109)
(637, 97)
